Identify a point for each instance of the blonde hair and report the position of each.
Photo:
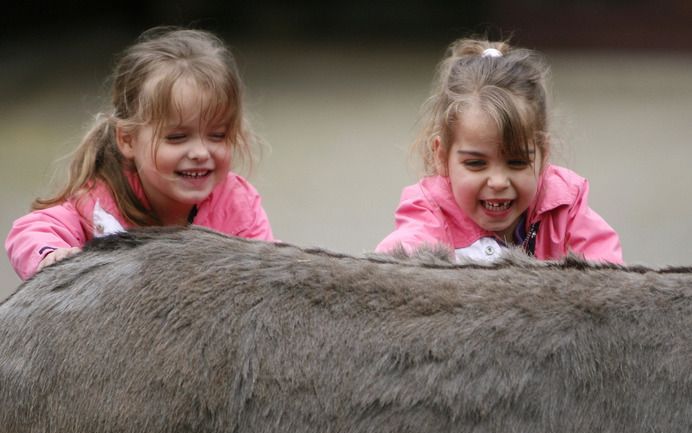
(142, 85)
(508, 84)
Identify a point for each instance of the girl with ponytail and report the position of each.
(161, 155)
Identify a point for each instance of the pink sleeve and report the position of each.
(416, 225)
(588, 234)
(260, 227)
(36, 234)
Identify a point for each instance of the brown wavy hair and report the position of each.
(510, 88)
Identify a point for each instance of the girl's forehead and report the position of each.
(191, 102)
(475, 127)
(478, 130)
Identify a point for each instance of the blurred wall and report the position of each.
(335, 91)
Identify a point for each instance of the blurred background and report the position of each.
(335, 88)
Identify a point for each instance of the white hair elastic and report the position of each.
(491, 52)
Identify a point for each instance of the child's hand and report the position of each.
(57, 255)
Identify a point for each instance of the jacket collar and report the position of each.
(554, 190)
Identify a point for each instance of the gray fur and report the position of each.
(191, 331)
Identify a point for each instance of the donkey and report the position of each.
(187, 330)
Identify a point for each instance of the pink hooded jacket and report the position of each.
(233, 207)
(428, 214)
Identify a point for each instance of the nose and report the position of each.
(198, 150)
(498, 180)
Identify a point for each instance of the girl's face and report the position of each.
(492, 189)
(181, 165)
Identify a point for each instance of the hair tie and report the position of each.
(491, 52)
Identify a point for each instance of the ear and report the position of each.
(125, 141)
(440, 156)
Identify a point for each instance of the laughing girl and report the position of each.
(488, 184)
(161, 155)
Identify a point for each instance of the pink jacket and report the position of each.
(233, 207)
(428, 214)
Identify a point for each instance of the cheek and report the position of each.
(145, 157)
(465, 190)
(167, 157)
(222, 155)
(529, 186)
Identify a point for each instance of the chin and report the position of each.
(192, 199)
(496, 229)
(493, 226)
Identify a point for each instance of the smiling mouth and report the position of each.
(193, 174)
(496, 205)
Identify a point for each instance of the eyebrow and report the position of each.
(470, 152)
(531, 153)
(208, 124)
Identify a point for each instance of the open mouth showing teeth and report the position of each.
(193, 174)
(497, 205)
